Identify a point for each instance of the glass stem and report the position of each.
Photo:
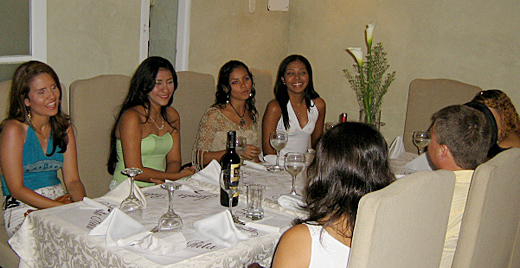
(230, 205)
(293, 182)
(170, 200)
(277, 158)
(132, 187)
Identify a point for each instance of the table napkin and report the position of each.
(209, 174)
(89, 203)
(263, 227)
(220, 229)
(293, 202)
(396, 148)
(117, 225)
(271, 159)
(253, 165)
(419, 163)
(118, 194)
(160, 243)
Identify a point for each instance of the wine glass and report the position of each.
(294, 164)
(132, 205)
(278, 141)
(421, 139)
(229, 182)
(241, 145)
(170, 221)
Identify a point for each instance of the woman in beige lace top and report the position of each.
(234, 109)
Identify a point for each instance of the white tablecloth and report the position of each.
(58, 237)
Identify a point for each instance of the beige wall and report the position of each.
(89, 37)
(470, 41)
(224, 30)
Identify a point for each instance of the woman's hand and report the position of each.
(251, 152)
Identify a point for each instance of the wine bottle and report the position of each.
(230, 161)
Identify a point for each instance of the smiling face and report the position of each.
(296, 77)
(240, 84)
(163, 89)
(44, 96)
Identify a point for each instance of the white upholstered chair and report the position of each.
(490, 227)
(404, 224)
(427, 96)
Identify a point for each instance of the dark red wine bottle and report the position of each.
(230, 161)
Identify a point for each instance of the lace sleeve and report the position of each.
(210, 123)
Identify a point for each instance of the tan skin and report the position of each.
(43, 102)
(133, 127)
(296, 78)
(294, 248)
(241, 86)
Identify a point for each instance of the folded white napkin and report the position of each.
(118, 194)
(117, 225)
(419, 163)
(89, 203)
(209, 174)
(293, 202)
(160, 243)
(251, 164)
(396, 148)
(263, 227)
(220, 229)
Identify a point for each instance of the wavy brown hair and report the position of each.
(17, 110)
(498, 100)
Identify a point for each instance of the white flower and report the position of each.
(357, 53)
(370, 32)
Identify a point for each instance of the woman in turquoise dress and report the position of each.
(36, 140)
(146, 134)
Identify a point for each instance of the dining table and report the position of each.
(59, 236)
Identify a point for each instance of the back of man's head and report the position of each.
(466, 133)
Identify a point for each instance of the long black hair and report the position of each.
(17, 110)
(142, 83)
(351, 161)
(224, 88)
(280, 89)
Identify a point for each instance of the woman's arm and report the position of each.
(174, 156)
(294, 248)
(205, 137)
(318, 128)
(130, 131)
(12, 139)
(70, 169)
(272, 115)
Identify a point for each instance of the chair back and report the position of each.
(427, 96)
(264, 91)
(404, 224)
(94, 104)
(194, 95)
(5, 87)
(490, 227)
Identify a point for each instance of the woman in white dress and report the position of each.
(351, 161)
(297, 108)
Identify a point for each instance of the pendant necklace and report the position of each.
(242, 121)
(45, 140)
(155, 123)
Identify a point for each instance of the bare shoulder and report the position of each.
(320, 103)
(273, 107)
(297, 233)
(294, 248)
(134, 114)
(14, 127)
(172, 114)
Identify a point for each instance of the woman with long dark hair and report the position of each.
(36, 140)
(234, 109)
(297, 108)
(146, 134)
(351, 161)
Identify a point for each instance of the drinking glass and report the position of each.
(229, 181)
(294, 164)
(132, 205)
(421, 139)
(278, 141)
(241, 145)
(170, 221)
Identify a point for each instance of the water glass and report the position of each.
(255, 200)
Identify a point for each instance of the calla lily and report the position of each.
(370, 32)
(357, 53)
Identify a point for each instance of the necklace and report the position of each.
(155, 123)
(298, 113)
(242, 121)
(45, 140)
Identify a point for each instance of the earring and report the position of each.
(29, 116)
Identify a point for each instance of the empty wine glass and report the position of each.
(278, 141)
(294, 164)
(229, 181)
(421, 139)
(170, 221)
(132, 205)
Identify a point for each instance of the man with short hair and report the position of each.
(460, 138)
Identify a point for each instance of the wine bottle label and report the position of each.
(235, 170)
